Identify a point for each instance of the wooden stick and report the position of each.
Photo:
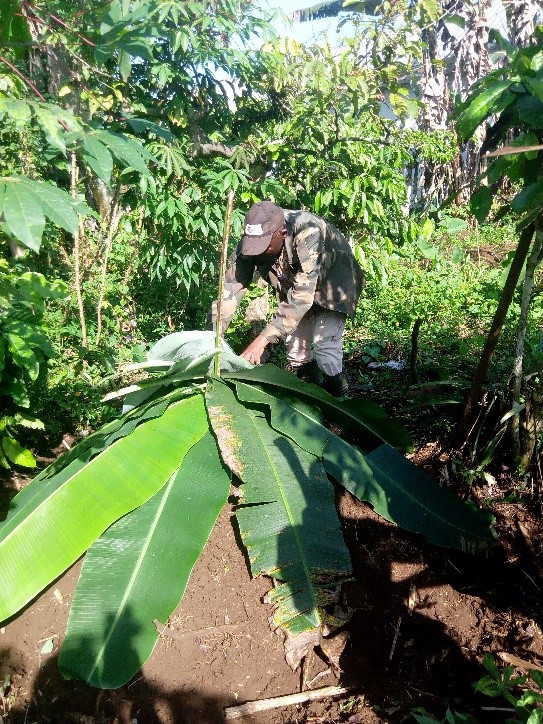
(516, 661)
(180, 635)
(396, 633)
(222, 270)
(251, 707)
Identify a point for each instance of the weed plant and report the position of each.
(453, 288)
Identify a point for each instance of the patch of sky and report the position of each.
(313, 31)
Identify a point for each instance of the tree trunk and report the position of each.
(520, 454)
(521, 17)
(463, 431)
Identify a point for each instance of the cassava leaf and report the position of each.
(23, 214)
(56, 204)
(127, 150)
(47, 115)
(287, 519)
(111, 630)
(142, 124)
(98, 157)
(56, 531)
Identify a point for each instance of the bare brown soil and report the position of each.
(422, 620)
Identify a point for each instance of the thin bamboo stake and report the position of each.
(222, 270)
(112, 228)
(251, 707)
(77, 243)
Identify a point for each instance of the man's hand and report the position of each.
(255, 350)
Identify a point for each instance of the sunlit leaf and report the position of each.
(60, 528)
(23, 215)
(98, 157)
(111, 630)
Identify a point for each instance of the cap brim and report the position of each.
(254, 245)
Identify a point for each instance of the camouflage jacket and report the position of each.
(316, 266)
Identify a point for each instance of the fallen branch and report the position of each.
(251, 707)
(180, 635)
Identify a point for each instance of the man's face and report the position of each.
(274, 248)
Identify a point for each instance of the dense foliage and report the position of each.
(124, 125)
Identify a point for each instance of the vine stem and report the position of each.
(222, 270)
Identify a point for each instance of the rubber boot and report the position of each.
(308, 372)
(336, 385)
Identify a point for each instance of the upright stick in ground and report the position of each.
(222, 269)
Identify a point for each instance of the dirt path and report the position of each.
(422, 620)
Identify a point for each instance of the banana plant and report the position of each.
(141, 495)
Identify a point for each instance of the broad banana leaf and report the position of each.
(396, 488)
(356, 415)
(137, 572)
(193, 350)
(68, 464)
(46, 536)
(288, 520)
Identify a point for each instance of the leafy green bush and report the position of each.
(24, 351)
(445, 284)
(523, 693)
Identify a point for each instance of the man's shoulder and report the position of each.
(299, 221)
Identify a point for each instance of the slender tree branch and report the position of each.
(222, 270)
(77, 243)
(23, 78)
(527, 288)
(68, 27)
(113, 223)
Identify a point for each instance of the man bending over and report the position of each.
(317, 281)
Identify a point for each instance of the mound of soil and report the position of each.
(422, 620)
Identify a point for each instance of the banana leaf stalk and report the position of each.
(222, 272)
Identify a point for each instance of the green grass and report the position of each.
(454, 294)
